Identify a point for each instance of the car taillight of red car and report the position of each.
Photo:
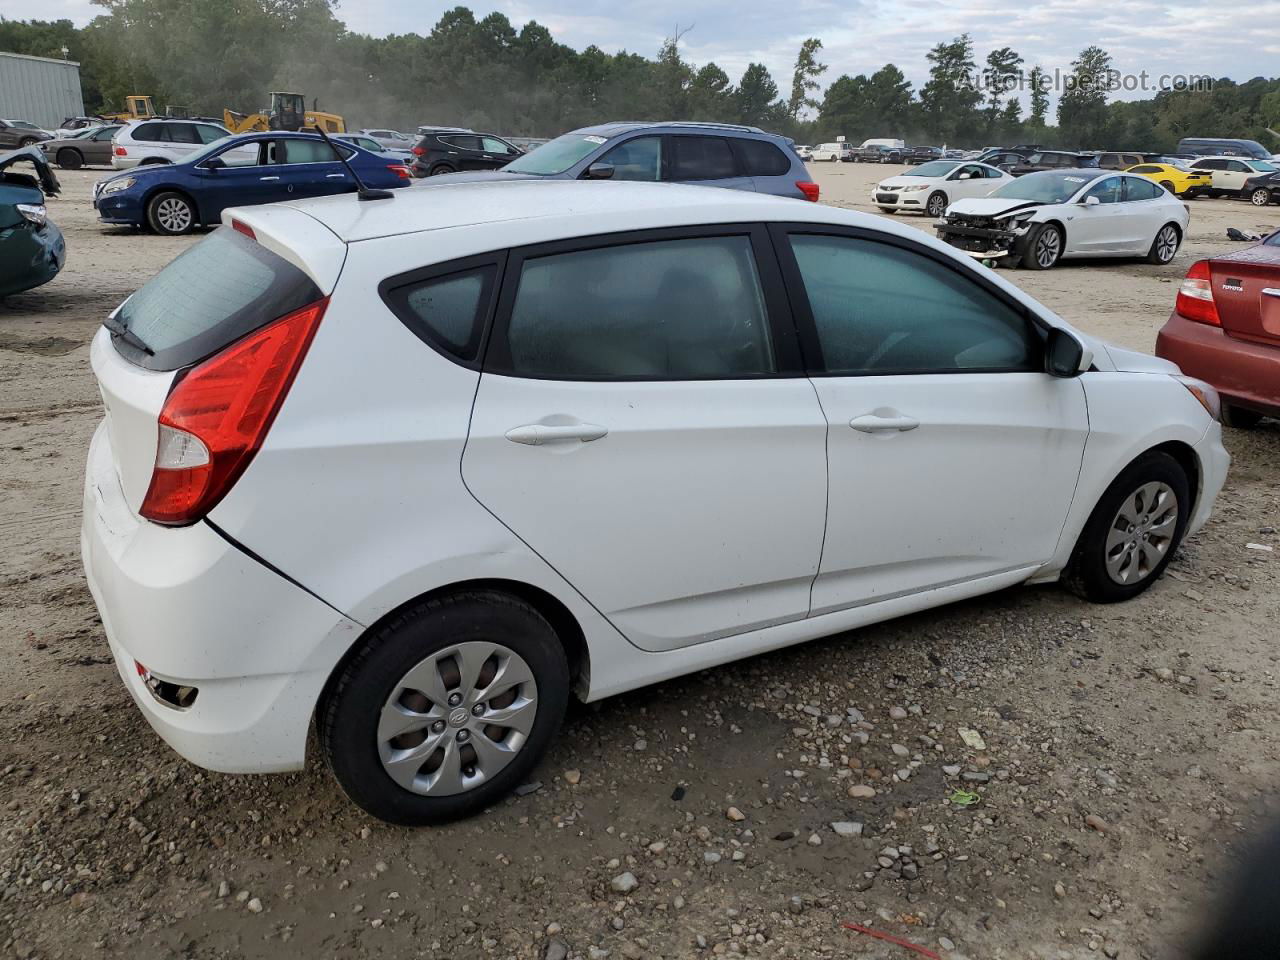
(1195, 296)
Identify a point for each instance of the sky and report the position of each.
(1160, 37)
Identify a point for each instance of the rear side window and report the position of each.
(213, 294)
(153, 132)
(700, 158)
(446, 312)
(1142, 189)
(759, 158)
(183, 133)
(681, 309)
(879, 309)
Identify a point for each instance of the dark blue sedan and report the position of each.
(239, 171)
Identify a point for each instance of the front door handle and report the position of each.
(331, 176)
(536, 434)
(268, 178)
(870, 423)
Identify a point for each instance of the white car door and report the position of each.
(1147, 206)
(952, 456)
(643, 423)
(968, 181)
(1098, 222)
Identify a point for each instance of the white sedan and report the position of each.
(931, 187)
(1043, 217)
(420, 469)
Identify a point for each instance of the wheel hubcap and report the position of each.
(1141, 533)
(1047, 248)
(173, 214)
(457, 718)
(1166, 244)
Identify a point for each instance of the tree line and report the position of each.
(488, 74)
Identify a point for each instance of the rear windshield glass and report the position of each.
(212, 295)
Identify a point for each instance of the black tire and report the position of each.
(1086, 574)
(1164, 248)
(441, 168)
(938, 199)
(348, 717)
(1037, 255)
(165, 213)
(70, 159)
(1168, 186)
(1260, 197)
(1239, 417)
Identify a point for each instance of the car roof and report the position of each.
(616, 128)
(1231, 156)
(580, 207)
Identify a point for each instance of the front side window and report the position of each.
(701, 158)
(494, 145)
(880, 309)
(1110, 190)
(681, 309)
(636, 159)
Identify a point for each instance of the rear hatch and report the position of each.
(1246, 289)
(221, 289)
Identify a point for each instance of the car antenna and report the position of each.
(363, 192)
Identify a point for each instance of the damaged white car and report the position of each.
(1042, 217)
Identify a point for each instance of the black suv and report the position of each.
(450, 151)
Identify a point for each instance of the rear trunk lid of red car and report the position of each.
(1246, 289)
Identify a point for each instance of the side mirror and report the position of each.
(215, 163)
(963, 176)
(1064, 355)
(599, 171)
(1091, 201)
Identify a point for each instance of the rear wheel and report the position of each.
(1044, 247)
(936, 205)
(171, 214)
(445, 709)
(1165, 246)
(1168, 186)
(1133, 532)
(1239, 417)
(441, 168)
(1260, 197)
(69, 159)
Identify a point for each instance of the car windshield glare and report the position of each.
(934, 168)
(1043, 187)
(211, 148)
(1264, 166)
(555, 156)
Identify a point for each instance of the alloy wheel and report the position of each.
(457, 718)
(937, 205)
(1048, 247)
(1260, 198)
(1141, 533)
(1166, 243)
(174, 214)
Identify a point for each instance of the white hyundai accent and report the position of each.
(931, 187)
(418, 469)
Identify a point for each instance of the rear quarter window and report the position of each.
(759, 158)
(213, 294)
(445, 307)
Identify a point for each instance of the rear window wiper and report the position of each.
(119, 329)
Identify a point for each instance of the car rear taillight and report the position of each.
(217, 415)
(809, 189)
(400, 170)
(419, 151)
(121, 152)
(1195, 296)
(239, 226)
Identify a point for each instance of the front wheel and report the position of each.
(1133, 532)
(1260, 197)
(26, 142)
(171, 214)
(1164, 246)
(1044, 247)
(445, 709)
(70, 159)
(439, 169)
(936, 205)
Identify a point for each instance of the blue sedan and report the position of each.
(238, 171)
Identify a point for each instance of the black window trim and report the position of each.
(782, 330)
(394, 291)
(802, 312)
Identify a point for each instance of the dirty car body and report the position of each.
(32, 250)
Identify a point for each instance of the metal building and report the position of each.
(40, 90)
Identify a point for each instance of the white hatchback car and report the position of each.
(162, 141)
(418, 468)
(931, 187)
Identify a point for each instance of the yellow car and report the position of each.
(1184, 183)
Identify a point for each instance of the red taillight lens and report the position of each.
(1195, 296)
(121, 152)
(419, 152)
(809, 189)
(217, 415)
(400, 170)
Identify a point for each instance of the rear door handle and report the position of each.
(536, 434)
(331, 176)
(870, 423)
(268, 178)
(1270, 292)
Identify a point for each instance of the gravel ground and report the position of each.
(1019, 776)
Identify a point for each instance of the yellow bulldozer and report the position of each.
(288, 111)
(137, 107)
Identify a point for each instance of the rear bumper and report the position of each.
(197, 611)
(1246, 374)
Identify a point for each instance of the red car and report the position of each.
(1225, 329)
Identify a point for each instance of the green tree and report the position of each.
(1039, 97)
(758, 96)
(950, 99)
(805, 78)
(1001, 74)
(1082, 108)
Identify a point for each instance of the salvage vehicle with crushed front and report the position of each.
(32, 250)
(1043, 217)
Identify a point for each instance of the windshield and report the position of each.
(934, 168)
(556, 156)
(1263, 166)
(1044, 187)
(211, 148)
(23, 124)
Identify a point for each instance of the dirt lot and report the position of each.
(1129, 750)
